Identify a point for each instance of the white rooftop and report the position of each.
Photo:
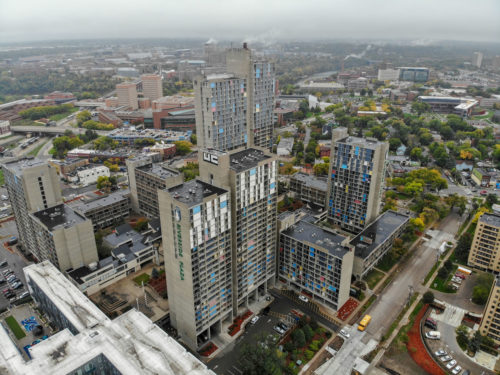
(132, 343)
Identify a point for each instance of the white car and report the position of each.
(451, 364)
(23, 294)
(279, 330)
(254, 319)
(344, 333)
(446, 358)
(303, 298)
(440, 353)
(456, 370)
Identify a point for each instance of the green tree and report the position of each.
(491, 199)
(261, 357)
(420, 107)
(428, 297)
(299, 338)
(104, 184)
(183, 147)
(82, 117)
(193, 139)
(394, 143)
(308, 332)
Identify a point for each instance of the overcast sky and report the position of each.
(265, 20)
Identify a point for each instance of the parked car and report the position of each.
(18, 285)
(303, 298)
(283, 326)
(431, 323)
(451, 364)
(5, 272)
(279, 330)
(2, 281)
(460, 275)
(5, 290)
(3, 263)
(446, 358)
(254, 319)
(344, 333)
(440, 353)
(483, 192)
(23, 295)
(433, 335)
(466, 372)
(457, 370)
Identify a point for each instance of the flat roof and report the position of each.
(60, 216)
(305, 231)
(193, 192)
(84, 205)
(17, 166)
(490, 219)
(371, 143)
(311, 181)
(159, 170)
(132, 343)
(246, 159)
(377, 232)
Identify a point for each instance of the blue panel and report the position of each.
(272, 185)
(253, 171)
(311, 255)
(214, 104)
(196, 209)
(329, 266)
(223, 204)
(311, 249)
(221, 130)
(344, 166)
(212, 85)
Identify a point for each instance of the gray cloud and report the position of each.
(263, 20)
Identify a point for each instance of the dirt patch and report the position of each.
(401, 362)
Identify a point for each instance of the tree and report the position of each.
(463, 247)
(394, 143)
(321, 169)
(420, 107)
(82, 117)
(193, 139)
(141, 224)
(261, 357)
(299, 338)
(308, 332)
(310, 157)
(416, 153)
(154, 273)
(462, 336)
(428, 297)
(491, 199)
(443, 273)
(183, 147)
(475, 342)
(104, 184)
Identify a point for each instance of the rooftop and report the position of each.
(193, 192)
(159, 170)
(371, 143)
(377, 232)
(305, 231)
(60, 216)
(310, 181)
(131, 343)
(248, 158)
(490, 219)
(17, 166)
(87, 204)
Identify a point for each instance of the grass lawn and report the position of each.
(483, 117)
(399, 343)
(144, 277)
(442, 284)
(26, 122)
(60, 116)
(15, 327)
(434, 267)
(37, 149)
(2, 180)
(387, 262)
(373, 277)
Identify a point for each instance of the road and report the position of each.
(388, 306)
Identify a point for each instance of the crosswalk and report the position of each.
(451, 315)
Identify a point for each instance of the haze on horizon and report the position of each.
(251, 20)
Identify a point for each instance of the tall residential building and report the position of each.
(221, 111)
(196, 230)
(477, 59)
(235, 109)
(485, 249)
(87, 341)
(64, 237)
(261, 84)
(151, 86)
(357, 169)
(145, 178)
(317, 261)
(32, 185)
(490, 324)
(251, 177)
(127, 95)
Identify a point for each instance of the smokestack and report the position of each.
(245, 46)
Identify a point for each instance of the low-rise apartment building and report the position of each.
(376, 240)
(309, 188)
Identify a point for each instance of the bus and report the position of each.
(364, 322)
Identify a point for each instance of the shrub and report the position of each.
(308, 332)
(428, 297)
(308, 354)
(299, 338)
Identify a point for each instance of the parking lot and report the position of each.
(15, 262)
(228, 361)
